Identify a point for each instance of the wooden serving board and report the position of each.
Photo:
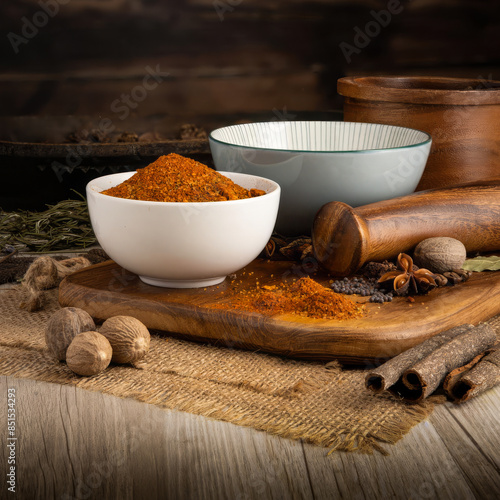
(106, 290)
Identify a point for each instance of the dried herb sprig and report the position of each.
(62, 226)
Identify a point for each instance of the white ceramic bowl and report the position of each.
(183, 245)
(316, 162)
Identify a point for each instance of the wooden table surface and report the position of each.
(73, 443)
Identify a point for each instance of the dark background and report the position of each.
(229, 57)
(66, 65)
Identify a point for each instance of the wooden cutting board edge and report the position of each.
(387, 329)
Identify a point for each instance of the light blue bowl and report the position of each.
(316, 162)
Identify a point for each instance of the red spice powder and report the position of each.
(176, 178)
(305, 297)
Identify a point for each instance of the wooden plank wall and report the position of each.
(61, 57)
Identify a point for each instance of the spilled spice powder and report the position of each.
(179, 179)
(305, 297)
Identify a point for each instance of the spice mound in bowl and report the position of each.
(177, 223)
(179, 179)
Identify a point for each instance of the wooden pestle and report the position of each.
(344, 238)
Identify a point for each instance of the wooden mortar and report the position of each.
(344, 238)
(461, 115)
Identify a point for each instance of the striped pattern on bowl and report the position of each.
(319, 136)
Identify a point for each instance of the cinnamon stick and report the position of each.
(423, 378)
(483, 376)
(386, 376)
(455, 375)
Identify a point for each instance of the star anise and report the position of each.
(408, 278)
(297, 249)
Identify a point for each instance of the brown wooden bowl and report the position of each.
(461, 115)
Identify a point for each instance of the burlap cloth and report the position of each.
(318, 403)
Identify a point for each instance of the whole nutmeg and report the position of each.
(128, 337)
(63, 326)
(440, 254)
(89, 354)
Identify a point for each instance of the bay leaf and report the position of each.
(478, 264)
